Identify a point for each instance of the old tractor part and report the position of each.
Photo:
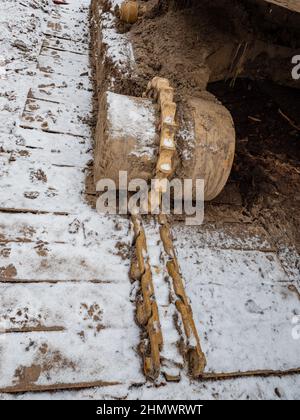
(138, 135)
(147, 315)
(162, 93)
(191, 347)
(127, 140)
(129, 11)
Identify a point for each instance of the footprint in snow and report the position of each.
(253, 308)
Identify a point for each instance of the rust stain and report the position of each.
(8, 271)
(41, 249)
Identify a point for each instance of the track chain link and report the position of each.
(147, 314)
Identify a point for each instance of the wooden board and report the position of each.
(76, 307)
(63, 62)
(74, 90)
(293, 5)
(236, 236)
(49, 360)
(41, 146)
(242, 306)
(66, 45)
(68, 25)
(40, 186)
(48, 248)
(54, 117)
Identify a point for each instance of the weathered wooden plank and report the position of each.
(66, 45)
(7, 121)
(172, 360)
(55, 156)
(237, 236)
(81, 308)
(284, 387)
(214, 213)
(229, 195)
(74, 90)
(51, 359)
(63, 25)
(264, 306)
(55, 117)
(30, 262)
(40, 186)
(63, 63)
(242, 307)
(39, 146)
(255, 333)
(25, 389)
(87, 228)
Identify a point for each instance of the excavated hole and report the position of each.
(173, 39)
(267, 158)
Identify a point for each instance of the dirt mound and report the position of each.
(267, 155)
(192, 43)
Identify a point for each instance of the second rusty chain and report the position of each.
(160, 90)
(147, 314)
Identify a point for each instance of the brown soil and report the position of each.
(8, 272)
(172, 40)
(193, 43)
(267, 159)
(190, 42)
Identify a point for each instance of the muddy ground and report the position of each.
(267, 159)
(192, 43)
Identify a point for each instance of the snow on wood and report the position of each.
(231, 236)
(242, 307)
(74, 90)
(60, 248)
(250, 388)
(63, 62)
(55, 117)
(41, 146)
(126, 140)
(61, 262)
(77, 307)
(40, 186)
(47, 359)
(119, 48)
(66, 45)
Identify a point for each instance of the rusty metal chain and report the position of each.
(147, 314)
(160, 90)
